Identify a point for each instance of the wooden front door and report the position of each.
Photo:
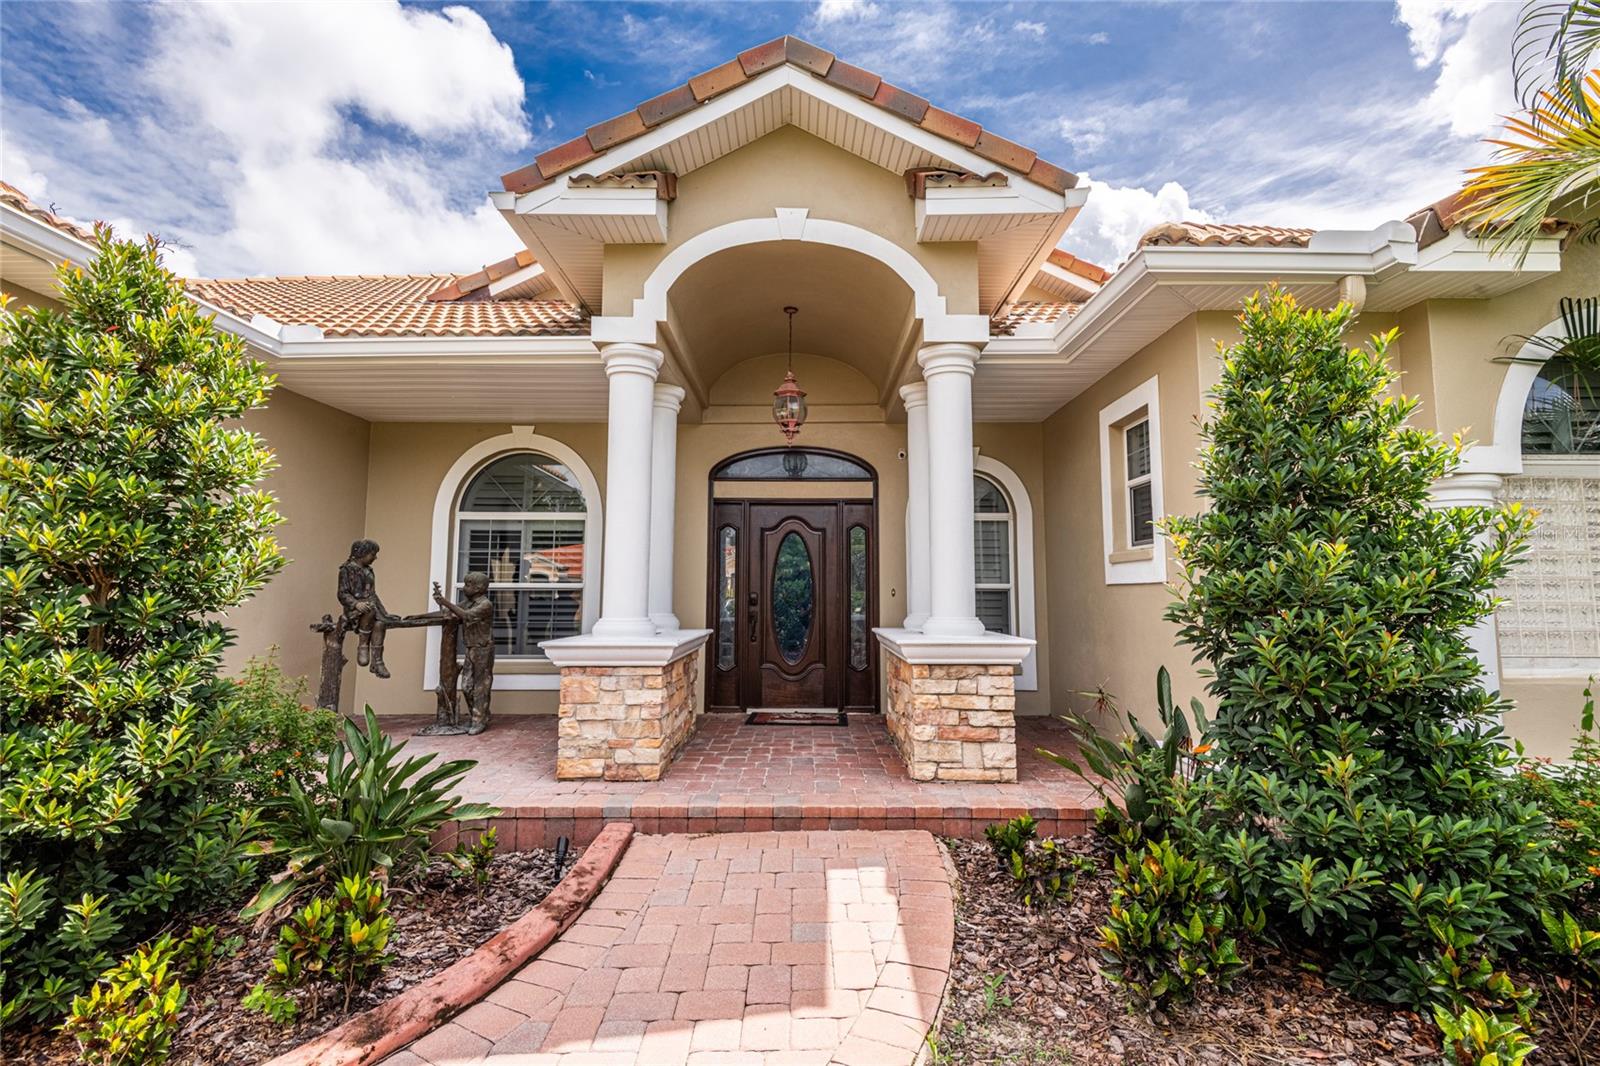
(792, 605)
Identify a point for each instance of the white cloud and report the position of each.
(1114, 218)
(17, 168)
(1469, 42)
(1098, 37)
(842, 10)
(1038, 29)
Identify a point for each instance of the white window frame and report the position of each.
(1006, 519)
(1131, 483)
(441, 562)
(1022, 572)
(1126, 565)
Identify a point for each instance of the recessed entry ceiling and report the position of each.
(730, 307)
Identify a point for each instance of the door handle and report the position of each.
(755, 600)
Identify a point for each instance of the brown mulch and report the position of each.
(1061, 1010)
(438, 920)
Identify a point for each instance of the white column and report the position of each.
(1476, 490)
(663, 499)
(952, 606)
(917, 570)
(625, 585)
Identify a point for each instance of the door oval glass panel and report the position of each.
(794, 593)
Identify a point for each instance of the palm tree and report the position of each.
(1549, 157)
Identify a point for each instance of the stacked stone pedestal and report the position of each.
(625, 723)
(953, 722)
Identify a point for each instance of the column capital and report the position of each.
(914, 394)
(948, 359)
(631, 359)
(1466, 490)
(669, 397)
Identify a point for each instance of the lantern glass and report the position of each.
(789, 407)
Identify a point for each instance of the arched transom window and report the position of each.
(521, 520)
(995, 546)
(1561, 415)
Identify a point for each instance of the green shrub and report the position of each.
(279, 737)
(1569, 796)
(382, 813)
(1360, 794)
(1169, 927)
(132, 523)
(473, 859)
(130, 1015)
(276, 1006)
(1042, 872)
(343, 938)
(1576, 946)
(305, 943)
(1008, 838)
(1134, 773)
(1475, 1038)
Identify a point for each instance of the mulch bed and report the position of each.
(1063, 1011)
(438, 920)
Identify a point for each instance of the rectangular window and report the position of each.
(1141, 492)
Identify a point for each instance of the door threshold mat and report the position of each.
(833, 718)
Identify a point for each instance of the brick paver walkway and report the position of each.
(741, 949)
(734, 777)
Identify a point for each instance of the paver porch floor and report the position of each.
(742, 949)
(734, 777)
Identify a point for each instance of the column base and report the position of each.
(665, 623)
(627, 708)
(952, 704)
(953, 627)
(624, 628)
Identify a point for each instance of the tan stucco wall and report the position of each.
(321, 488)
(27, 297)
(791, 168)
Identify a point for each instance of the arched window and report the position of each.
(523, 521)
(1561, 415)
(995, 547)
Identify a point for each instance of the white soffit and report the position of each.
(462, 388)
(525, 284)
(30, 251)
(1070, 287)
(607, 215)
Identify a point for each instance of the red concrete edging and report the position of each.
(391, 1025)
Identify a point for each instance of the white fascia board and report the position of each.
(42, 239)
(433, 347)
(515, 278)
(1459, 252)
(1067, 277)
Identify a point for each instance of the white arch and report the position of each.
(520, 439)
(789, 224)
(1022, 527)
(1504, 456)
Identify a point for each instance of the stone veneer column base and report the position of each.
(953, 722)
(627, 706)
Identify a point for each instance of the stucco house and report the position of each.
(965, 527)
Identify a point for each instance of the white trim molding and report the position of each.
(520, 439)
(1022, 548)
(1133, 567)
(659, 649)
(988, 649)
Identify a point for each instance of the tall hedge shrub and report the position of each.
(131, 521)
(1359, 791)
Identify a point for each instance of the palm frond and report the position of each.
(1549, 158)
(1553, 47)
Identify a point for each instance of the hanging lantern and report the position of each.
(789, 399)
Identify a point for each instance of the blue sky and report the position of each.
(362, 137)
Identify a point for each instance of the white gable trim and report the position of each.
(789, 223)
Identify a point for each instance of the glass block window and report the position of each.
(1141, 493)
(994, 548)
(522, 520)
(1550, 621)
(1561, 415)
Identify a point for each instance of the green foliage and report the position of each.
(277, 1006)
(1476, 1038)
(1569, 795)
(1042, 872)
(1572, 943)
(1169, 926)
(992, 995)
(129, 1016)
(382, 812)
(343, 938)
(1359, 793)
(1008, 838)
(472, 860)
(132, 523)
(279, 737)
(1135, 769)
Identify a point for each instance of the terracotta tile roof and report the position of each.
(461, 286)
(12, 196)
(1212, 234)
(802, 56)
(1028, 312)
(1081, 267)
(386, 306)
(1434, 222)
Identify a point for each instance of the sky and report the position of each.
(363, 137)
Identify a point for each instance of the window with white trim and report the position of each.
(995, 550)
(522, 520)
(1139, 485)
